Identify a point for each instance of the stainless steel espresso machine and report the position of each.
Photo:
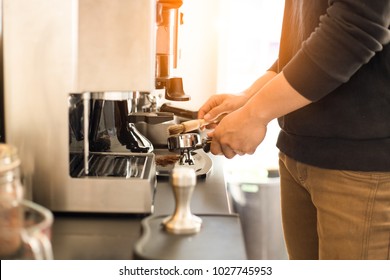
(78, 78)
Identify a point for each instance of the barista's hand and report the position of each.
(238, 133)
(241, 131)
(220, 104)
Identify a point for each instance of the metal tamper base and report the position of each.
(183, 181)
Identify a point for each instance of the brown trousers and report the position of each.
(334, 214)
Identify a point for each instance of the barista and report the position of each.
(329, 90)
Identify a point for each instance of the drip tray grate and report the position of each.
(110, 165)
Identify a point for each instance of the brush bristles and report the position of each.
(176, 129)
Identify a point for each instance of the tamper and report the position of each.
(183, 180)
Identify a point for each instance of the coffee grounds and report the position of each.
(167, 159)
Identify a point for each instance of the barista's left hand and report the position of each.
(239, 133)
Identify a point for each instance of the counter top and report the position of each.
(82, 236)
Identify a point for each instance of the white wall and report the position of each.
(249, 33)
(198, 51)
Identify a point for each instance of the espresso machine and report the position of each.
(79, 84)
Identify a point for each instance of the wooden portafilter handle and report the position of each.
(183, 180)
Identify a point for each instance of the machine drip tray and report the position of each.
(112, 165)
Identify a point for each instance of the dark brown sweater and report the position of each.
(337, 54)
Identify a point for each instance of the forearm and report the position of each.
(226, 103)
(275, 99)
(259, 83)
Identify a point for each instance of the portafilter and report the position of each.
(185, 144)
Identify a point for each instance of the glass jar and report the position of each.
(11, 197)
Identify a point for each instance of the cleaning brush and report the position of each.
(191, 125)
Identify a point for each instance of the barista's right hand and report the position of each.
(220, 104)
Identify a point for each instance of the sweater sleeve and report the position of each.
(348, 36)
